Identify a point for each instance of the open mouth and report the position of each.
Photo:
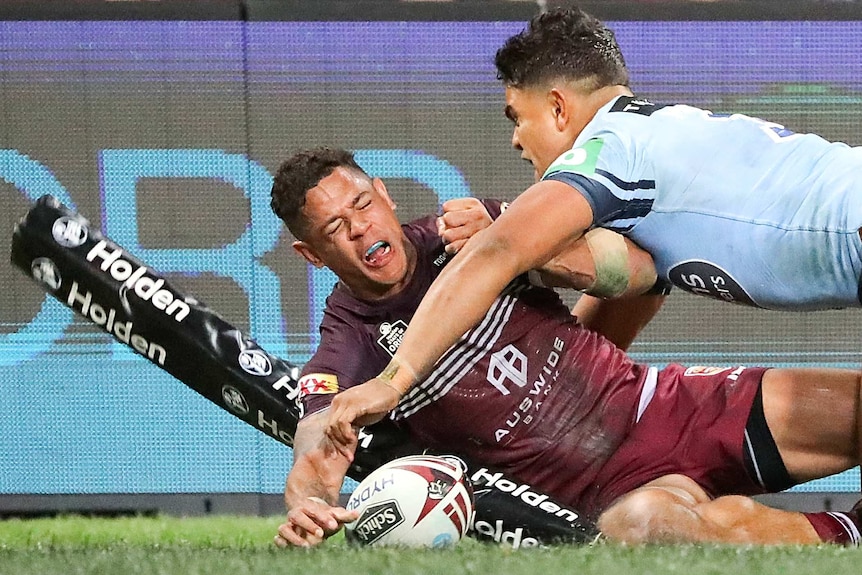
(377, 252)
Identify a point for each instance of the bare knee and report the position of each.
(647, 515)
(657, 515)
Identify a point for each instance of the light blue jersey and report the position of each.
(730, 207)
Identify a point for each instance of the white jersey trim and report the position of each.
(848, 526)
(461, 357)
(647, 391)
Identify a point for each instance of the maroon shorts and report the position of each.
(694, 425)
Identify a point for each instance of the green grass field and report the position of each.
(242, 545)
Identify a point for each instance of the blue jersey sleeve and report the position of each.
(607, 171)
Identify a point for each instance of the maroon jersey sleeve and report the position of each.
(332, 368)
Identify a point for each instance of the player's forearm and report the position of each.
(302, 485)
(572, 268)
(602, 263)
(448, 310)
(317, 471)
(524, 237)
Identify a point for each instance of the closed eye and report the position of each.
(510, 114)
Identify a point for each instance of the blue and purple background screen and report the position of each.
(166, 136)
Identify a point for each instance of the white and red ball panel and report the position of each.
(414, 501)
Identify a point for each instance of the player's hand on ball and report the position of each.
(311, 522)
(461, 219)
(357, 407)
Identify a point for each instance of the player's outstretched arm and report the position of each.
(536, 227)
(312, 487)
(611, 269)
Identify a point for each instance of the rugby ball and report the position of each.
(414, 501)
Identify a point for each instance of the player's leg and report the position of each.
(805, 426)
(675, 509)
(814, 418)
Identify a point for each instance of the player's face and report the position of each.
(538, 132)
(353, 230)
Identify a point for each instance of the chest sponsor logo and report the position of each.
(317, 384)
(391, 335)
(69, 232)
(511, 364)
(707, 279)
(508, 364)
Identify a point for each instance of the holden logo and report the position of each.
(69, 232)
(705, 278)
(45, 271)
(255, 362)
(234, 400)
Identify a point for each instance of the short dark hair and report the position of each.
(298, 174)
(563, 43)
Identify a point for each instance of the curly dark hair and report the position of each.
(298, 174)
(562, 43)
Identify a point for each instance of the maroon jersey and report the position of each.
(528, 390)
